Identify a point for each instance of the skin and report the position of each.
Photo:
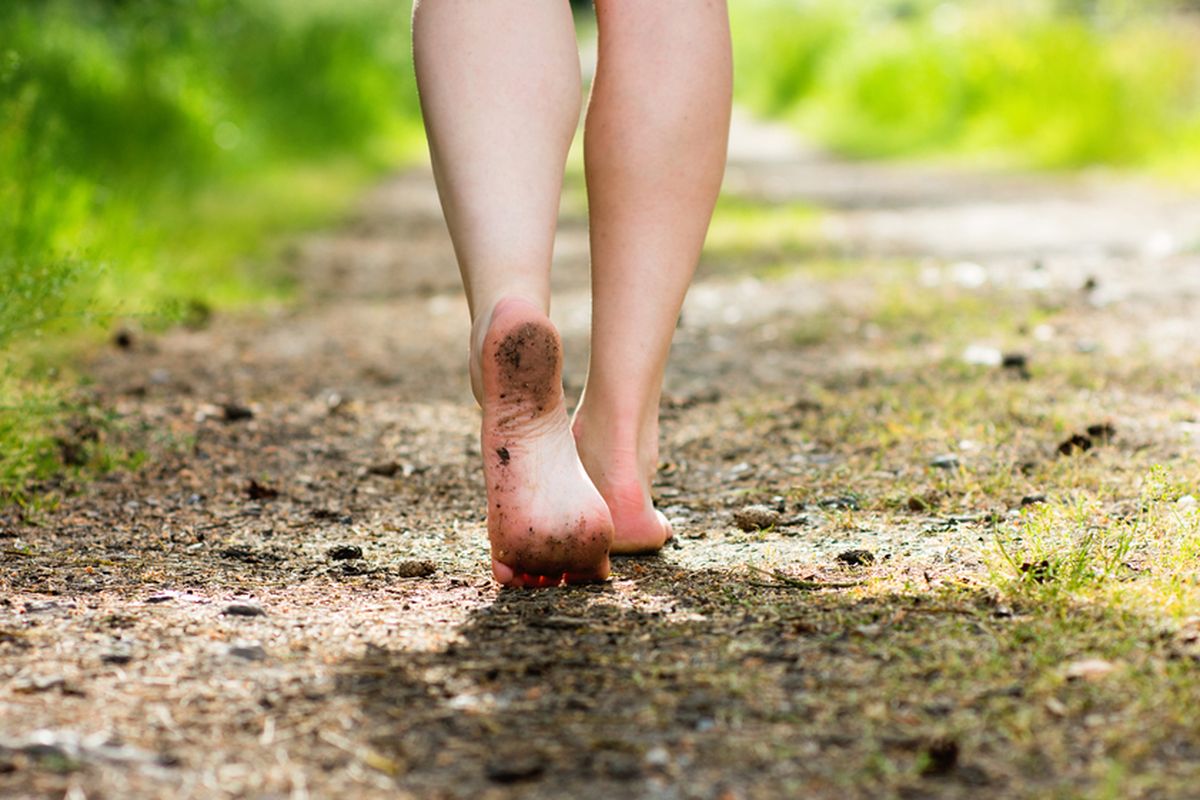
(500, 91)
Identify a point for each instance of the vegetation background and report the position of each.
(153, 151)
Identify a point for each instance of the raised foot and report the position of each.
(623, 476)
(546, 522)
(638, 527)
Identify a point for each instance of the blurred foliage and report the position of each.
(1020, 82)
(148, 148)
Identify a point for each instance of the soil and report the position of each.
(293, 598)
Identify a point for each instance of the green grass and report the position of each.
(1077, 549)
(1057, 647)
(152, 154)
(1037, 84)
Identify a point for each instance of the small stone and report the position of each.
(415, 569)
(38, 683)
(233, 412)
(514, 767)
(386, 469)
(345, 552)
(845, 502)
(1017, 363)
(856, 558)
(947, 461)
(756, 518)
(116, 657)
(1078, 443)
(1089, 669)
(657, 757)
(334, 402)
(238, 552)
(916, 503)
(983, 356)
(330, 515)
(260, 491)
(243, 610)
(1187, 501)
(248, 652)
(47, 607)
(1056, 707)
(941, 757)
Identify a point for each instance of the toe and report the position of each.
(503, 573)
(597, 575)
(668, 531)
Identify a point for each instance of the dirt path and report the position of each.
(291, 598)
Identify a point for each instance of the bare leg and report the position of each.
(656, 137)
(500, 91)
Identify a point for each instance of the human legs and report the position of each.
(655, 143)
(500, 92)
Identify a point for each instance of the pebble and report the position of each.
(345, 552)
(846, 502)
(941, 757)
(249, 652)
(1076, 444)
(243, 610)
(1090, 669)
(657, 757)
(982, 355)
(38, 683)
(116, 657)
(47, 607)
(1017, 363)
(856, 558)
(513, 767)
(756, 518)
(945, 461)
(386, 469)
(234, 412)
(415, 569)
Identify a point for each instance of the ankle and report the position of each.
(616, 447)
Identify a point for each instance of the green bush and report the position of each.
(1039, 83)
(148, 146)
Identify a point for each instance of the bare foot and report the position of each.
(623, 478)
(546, 521)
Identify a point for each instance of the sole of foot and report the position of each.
(547, 523)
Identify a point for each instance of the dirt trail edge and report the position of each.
(876, 368)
